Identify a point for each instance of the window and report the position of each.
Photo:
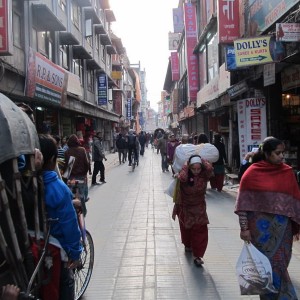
(41, 35)
(77, 69)
(202, 67)
(34, 39)
(90, 81)
(64, 57)
(17, 30)
(212, 57)
(62, 4)
(76, 16)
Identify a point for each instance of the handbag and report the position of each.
(254, 272)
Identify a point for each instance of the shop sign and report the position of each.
(263, 14)
(102, 89)
(129, 109)
(6, 38)
(252, 123)
(178, 22)
(45, 80)
(175, 66)
(174, 39)
(237, 89)
(228, 20)
(191, 41)
(290, 78)
(74, 86)
(288, 32)
(254, 51)
(116, 75)
(230, 58)
(269, 74)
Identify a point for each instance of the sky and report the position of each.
(143, 26)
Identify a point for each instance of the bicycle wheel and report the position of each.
(83, 273)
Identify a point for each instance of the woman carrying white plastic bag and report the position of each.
(254, 272)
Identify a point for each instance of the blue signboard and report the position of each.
(230, 64)
(102, 89)
(129, 109)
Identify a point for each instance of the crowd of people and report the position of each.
(267, 204)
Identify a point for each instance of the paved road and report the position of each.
(139, 254)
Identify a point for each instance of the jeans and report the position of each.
(122, 157)
(98, 166)
(67, 285)
(164, 162)
(130, 149)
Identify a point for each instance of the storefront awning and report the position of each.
(111, 49)
(99, 29)
(44, 19)
(105, 39)
(79, 52)
(90, 13)
(67, 38)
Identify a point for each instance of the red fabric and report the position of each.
(217, 182)
(270, 188)
(50, 290)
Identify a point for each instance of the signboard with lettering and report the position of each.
(102, 89)
(228, 20)
(290, 78)
(45, 80)
(263, 14)
(175, 66)
(129, 109)
(174, 39)
(288, 32)
(254, 51)
(6, 37)
(230, 64)
(252, 123)
(178, 22)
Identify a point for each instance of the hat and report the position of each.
(195, 160)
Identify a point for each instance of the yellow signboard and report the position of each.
(253, 51)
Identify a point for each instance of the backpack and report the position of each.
(131, 140)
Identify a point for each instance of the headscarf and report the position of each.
(73, 141)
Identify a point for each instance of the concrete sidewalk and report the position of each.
(138, 250)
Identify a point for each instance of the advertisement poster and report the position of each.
(252, 123)
(178, 22)
(175, 66)
(129, 109)
(230, 64)
(288, 32)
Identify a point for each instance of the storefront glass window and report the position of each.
(212, 57)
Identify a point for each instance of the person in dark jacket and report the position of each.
(217, 181)
(142, 141)
(98, 155)
(121, 146)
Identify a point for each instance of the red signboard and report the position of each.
(228, 20)
(175, 66)
(191, 41)
(5, 28)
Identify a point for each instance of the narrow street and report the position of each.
(138, 251)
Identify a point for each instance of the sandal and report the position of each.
(198, 261)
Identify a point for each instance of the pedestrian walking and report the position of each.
(171, 147)
(162, 147)
(121, 146)
(268, 206)
(132, 143)
(217, 181)
(142, 141)
(97, 156)
(190, 206)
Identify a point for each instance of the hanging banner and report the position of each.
(129, 109)
(191, 41)
(174, 39)
(6, 37)
(178, 23)
(252, 123)
(175, 66)
(102, 89)
(228, 20)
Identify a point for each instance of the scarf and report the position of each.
(269, 188)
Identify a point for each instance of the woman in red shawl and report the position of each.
(190, 206)
(268, 206)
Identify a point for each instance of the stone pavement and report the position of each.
(138, 251)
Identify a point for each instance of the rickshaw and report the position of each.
(24, 227)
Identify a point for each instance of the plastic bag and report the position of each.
(171, 188)
(183, 152)
(209, 152)
(254, 272)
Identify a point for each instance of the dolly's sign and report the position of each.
(254, 51)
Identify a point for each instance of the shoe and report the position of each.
(95, 183)
(187, 249)
(103, 181)
(198, 261)
(129, 165)
(167, 170)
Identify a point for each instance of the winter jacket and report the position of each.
(98, 150)
(58, 200)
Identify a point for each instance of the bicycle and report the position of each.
(83, 272)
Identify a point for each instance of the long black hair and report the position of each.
(269, 144)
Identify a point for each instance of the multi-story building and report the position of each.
(57, 56)
(246, 76)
